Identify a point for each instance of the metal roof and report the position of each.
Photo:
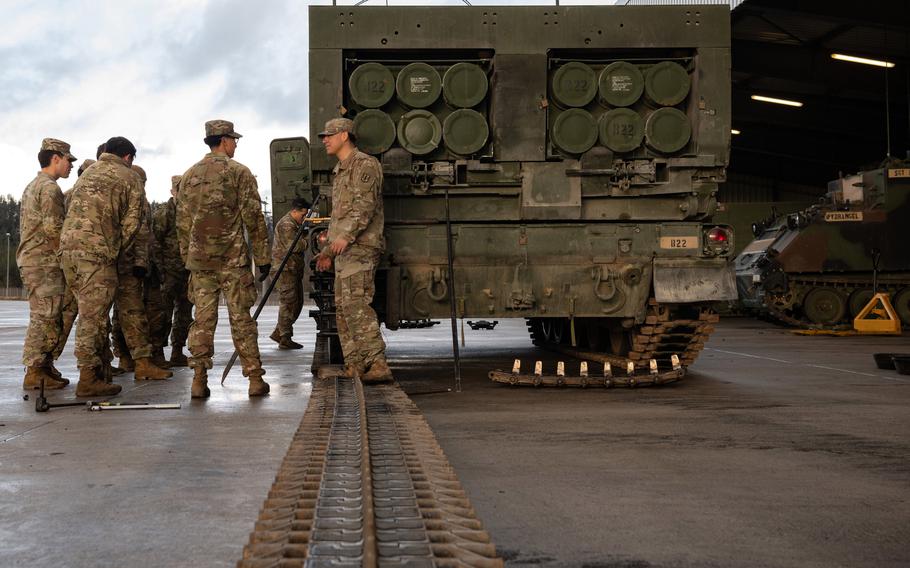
(783, 49)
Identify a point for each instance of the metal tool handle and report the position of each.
(141, 406)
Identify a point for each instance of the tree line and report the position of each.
(9, 224)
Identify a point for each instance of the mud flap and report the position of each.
(686, 280)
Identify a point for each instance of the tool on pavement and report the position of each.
(97, 406)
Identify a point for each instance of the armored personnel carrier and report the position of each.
(814, 268)
(576, 151)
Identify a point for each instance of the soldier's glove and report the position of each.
(139, 271)
(264, 270)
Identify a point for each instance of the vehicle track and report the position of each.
(365, 483)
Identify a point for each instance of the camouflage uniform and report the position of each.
(69, 311)
(217, 200)
(70, 307)
(290, 282)
(174, 279)
(357, 216)
(104, 216)
(41, 217)
(130, 324)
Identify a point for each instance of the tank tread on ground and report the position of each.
(663, 335)
(816, 269)
(579, 150)
(365, 484)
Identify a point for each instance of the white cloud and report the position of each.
(151, 71)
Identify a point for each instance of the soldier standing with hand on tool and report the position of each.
(218, 198)
(355, 243)
(41, 217)
(290, 282)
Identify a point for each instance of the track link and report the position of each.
(660, 337)
(365, 483)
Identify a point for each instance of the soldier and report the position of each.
(41, 217)
(104, 215)
(131, 328)
(218, 199)
(174, 279)
(290, 282)
(70, 310)
(355, 243)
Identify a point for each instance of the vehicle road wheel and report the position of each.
(858, 300)
(824, 306)
(901, 303)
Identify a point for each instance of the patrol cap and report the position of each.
(175, 181)
(336, 125)
(58, 146)
(84, 166)
(220, 128)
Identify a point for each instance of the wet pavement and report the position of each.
(775, 451)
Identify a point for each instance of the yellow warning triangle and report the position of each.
(878, 317)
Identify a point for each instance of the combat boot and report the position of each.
(159, 360)
(127, 363)
(379, 372)
(56, 373)
(287, 343)
(90, 384)
(34, 375)
(146, 370)
(276, 337)
(258, 387)
(200, 388)
(178, 359)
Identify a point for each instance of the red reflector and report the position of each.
(718, 235)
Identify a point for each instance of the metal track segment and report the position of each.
(638, 380)
(365, 483)
(660, 337)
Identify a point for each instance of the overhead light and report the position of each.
(863, 60)
(776, 101)
(735, 131)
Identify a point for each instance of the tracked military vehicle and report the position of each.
(579, 150)
(815, 268)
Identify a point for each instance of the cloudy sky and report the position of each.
(155, 71)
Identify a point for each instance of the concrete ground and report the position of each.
(776, 450)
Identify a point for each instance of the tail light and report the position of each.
(718, 240)
(718, 236)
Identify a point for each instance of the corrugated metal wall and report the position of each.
(745, 188)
